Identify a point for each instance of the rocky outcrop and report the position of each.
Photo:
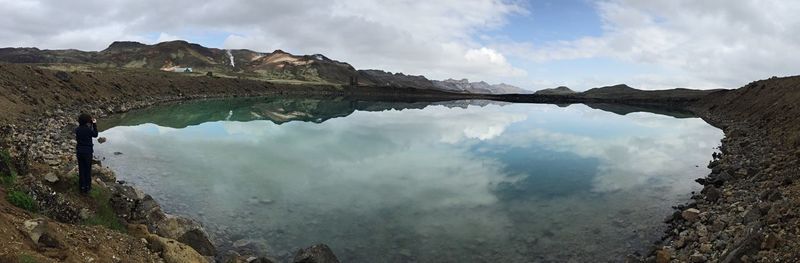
(136, 207)
(173, 251)
(186, 231)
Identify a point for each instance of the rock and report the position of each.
(102, 140)
(35, 228)
(679, 243)
(675, 216)
(691, 214)
(663, 255)
(104, 174)
(319, 253)
(132, 205)
(173, 251)
(702, 231)
(770, 241)
(51, 178)
(751, 215)
(748, 244)
(712, 193)
(63, 76)
(697, 258)
(187, 231)
(38, 230)
(260, 260)
(138, 230)
(84, 213)
(706, 248)
(242, 243)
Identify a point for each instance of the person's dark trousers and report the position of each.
(85, 172)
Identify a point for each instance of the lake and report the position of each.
(462, 181)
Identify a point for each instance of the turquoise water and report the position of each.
(414, 182)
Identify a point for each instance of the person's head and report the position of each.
(84, 119)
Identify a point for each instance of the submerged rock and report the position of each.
(319, 253)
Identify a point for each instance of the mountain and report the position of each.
(383, 78)
(625, 92)
(180, 55)
(562, 90)
(503, 88)
(464, 85)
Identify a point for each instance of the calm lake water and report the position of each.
(415, 182)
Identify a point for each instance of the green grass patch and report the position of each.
(24, 258)
(8, 181)
(22, 200)
(5, 158)
(72, 184)
(104, 216)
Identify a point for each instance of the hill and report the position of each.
(562, 90)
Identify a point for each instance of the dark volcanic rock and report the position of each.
(63, 76)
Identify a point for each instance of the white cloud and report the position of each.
(431, 38)
(706, 44)
(167, 37)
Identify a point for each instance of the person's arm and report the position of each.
(94, 128)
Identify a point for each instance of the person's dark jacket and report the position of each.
(84, 135)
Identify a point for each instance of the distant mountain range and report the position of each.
(277, 65)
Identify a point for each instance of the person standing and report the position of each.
(86, 130)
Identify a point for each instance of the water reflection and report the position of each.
(430, 183)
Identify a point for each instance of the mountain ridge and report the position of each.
(275, 65)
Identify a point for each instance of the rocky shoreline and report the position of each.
(748, 208)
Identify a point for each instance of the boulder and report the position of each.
(187, 231)
(319, 253)
(51, 178)
(63, 76)
(770, 242)
(138, 230)
(663, 256)
(697, 258)
(39, 231)
(35, 228)
(712, 193)
(103, 173)
(691, 214)
(102, 140)
(136, 207)
(173, 251)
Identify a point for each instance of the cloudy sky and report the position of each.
(533, 44)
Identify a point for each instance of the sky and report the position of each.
(532, 44)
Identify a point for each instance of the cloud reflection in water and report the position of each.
(421, 179)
